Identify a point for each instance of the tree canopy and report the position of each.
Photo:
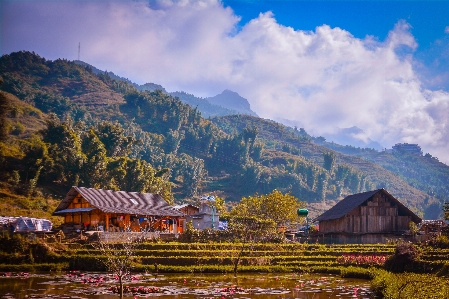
(276, 207)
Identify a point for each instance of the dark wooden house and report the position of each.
(368, 217)
(98, 209)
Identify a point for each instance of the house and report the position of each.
(187, 210)
(98, 209)
(368, 217)
(410, 148)
(207, 217)
(202, 218)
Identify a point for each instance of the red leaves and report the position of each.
(352, 259)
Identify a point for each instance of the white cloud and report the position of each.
(323, 79)
(446, 30)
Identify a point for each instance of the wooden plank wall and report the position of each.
(378, 215)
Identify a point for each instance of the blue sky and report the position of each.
(321, 65)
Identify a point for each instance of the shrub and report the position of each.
(409, 285)
(357, 272)
(403, 259)
(440, 242)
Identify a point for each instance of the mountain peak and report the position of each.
(232, 100)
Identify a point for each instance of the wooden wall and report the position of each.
(377, 215)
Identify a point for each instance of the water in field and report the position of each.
(189, 286)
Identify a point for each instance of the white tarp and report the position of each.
(26, 224)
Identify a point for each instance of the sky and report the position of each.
(382, 66)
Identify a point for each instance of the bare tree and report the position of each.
(249, 230)
(118, 253)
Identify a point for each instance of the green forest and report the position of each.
(62, 124)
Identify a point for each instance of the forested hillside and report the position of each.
(66, 125)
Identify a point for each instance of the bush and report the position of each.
(409, 285)
(357, 272)
(404, 258)
(440, 242)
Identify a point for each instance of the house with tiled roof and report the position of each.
(368, 217)
(98, 209)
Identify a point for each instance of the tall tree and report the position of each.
(4, 106)
(329, 161)
(113, 137)
(446, 210)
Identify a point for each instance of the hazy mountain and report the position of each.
(353, 136)
(232, 100)
(151, 87)
(204, 106)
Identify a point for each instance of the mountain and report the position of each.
(232, 100)
(98, 71)
(207, 109)
(353, 136)
(150, 87)
(68, 125)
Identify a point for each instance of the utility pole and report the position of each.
(79, 50)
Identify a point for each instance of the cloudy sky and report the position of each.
(325, 65)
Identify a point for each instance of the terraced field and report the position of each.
(222, 257)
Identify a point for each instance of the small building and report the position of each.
(187, 210)
(410, 148)
(207, 217)
(98, 209)
(202, 218)
(368, 217)
(432, 227)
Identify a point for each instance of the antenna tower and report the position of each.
(79, 50)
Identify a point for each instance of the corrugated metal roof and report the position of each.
(178, 207)
(351, 202)
(77, 210)
(108, 201)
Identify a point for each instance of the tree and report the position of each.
(414, 229)
(65, 149)
(94, 170)
(4, 106)
(138, 175)
(250, 230)
(112, 135)
(329, 161)
(118, 257)
(276, 206)
(256, 218)
(321, 186)
(446, 210)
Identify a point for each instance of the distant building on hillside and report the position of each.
(410, 148)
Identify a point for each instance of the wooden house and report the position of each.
(187, 210)
(98, 209)
(368, 217)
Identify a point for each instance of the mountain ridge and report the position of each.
(232, 156)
